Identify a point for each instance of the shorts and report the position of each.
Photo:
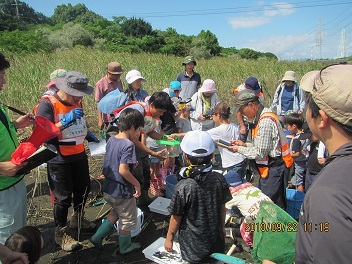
(125, 209)
(154, 159)
(300, 172)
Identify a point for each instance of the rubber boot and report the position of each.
(105, 229)
(126, 245)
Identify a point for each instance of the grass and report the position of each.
(29, 74)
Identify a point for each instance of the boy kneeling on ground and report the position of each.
(197, 206)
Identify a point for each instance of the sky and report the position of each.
(292, 30)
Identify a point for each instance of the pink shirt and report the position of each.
(102, 88)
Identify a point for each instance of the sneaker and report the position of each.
(64, 240)
(81, 222)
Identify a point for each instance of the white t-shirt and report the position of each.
(227, 132)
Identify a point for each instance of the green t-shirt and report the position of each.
(8, 145)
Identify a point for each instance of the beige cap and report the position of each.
(331, 91)
(289, 76)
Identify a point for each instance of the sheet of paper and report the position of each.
(97, 149)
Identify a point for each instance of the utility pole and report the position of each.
(17, 11)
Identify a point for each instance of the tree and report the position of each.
(174, 43)
(249, 54)
(208, 41)
(136, 27)
(69, 36)
(11, 20)
(78, 13)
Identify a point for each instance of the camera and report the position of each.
(207, 116)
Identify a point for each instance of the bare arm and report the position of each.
(7, 256)
(140, 146)
(174, 225)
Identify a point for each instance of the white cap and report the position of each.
(197, 144)
(134, 75)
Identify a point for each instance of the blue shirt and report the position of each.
(139, 97)
(118, 151)
(188, 84)
(287, 98)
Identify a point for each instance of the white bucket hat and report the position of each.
(197, 144)
(289, 76)
(134, 75)
(208, 86)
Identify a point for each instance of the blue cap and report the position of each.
(175, 85)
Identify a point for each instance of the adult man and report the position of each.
(68, 173)
(325, 228)
(189, 79)
(269, 148)
(110, 82)
(13, 194)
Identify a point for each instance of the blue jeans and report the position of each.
(239, 168)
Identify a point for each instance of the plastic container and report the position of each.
(140, 220)
(160, 205)
(156, 249)
(294, 202)
(172, 146)
(171, 182)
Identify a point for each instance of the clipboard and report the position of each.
(42, 155)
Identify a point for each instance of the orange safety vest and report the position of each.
(263, 164)
(74, 134)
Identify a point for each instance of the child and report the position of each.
(197, 206)
(120, 186)
(294, 122)
(231, 161)
(247, 199)
(27, 239)
(315, 163)
(183, 126)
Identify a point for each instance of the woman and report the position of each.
(288, 97)
(203, 102)
(134, 79)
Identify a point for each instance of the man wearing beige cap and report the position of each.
(325, 225)
(269, 148)
(110, 82)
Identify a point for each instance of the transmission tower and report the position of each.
(342, 45)
(319, 39)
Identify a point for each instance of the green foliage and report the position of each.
(26, 16)
(136, 27)
(207, 41)
(249, 54)
(173, 42)
(23, 42)
(78, 13)
(226, 52)
(69, 36)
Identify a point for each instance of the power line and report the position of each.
(237, 10)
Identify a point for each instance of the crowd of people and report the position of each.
(279, 144)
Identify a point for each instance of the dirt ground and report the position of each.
(40, 214)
